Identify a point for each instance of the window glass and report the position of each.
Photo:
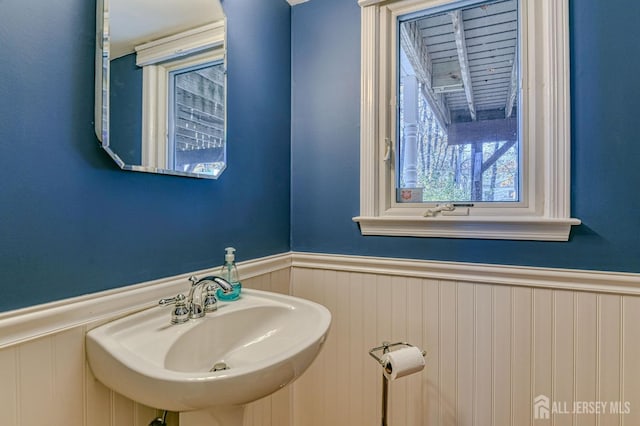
(197, 104)
(458, 109)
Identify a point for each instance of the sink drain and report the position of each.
(219, 366)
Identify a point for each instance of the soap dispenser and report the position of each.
(229, 272)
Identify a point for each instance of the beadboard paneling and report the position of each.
(491, 349)
(47, 381)
(630, 358)
(9, 389)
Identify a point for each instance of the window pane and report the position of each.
(197, 136)
(458, 109)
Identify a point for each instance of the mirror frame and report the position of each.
(102, 93)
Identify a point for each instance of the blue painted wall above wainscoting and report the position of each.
(71, 222)
(605, 103)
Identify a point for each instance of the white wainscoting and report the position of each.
(496, 337)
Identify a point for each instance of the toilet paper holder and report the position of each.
(385, 382)
(385, 349)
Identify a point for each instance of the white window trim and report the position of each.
(158, 59)
(545, 214)
(206, 37)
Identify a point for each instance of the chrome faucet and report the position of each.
(198, 306)
(199, 301)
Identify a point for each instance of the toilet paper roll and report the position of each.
(402, 362)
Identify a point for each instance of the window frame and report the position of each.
(544, 210)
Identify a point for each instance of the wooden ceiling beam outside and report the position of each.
(513, 89)
(483, 131)
(461, 47)
(416, 51)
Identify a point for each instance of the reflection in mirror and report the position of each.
(196, 119)
(161, 85)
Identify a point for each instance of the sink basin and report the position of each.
(265, 340)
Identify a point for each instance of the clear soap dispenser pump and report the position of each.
(229, 272)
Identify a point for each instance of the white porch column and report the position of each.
(410, 136)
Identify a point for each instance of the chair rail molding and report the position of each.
(29, 323)
(621, 283)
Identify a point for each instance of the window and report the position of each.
(465, 119)
(184, 102)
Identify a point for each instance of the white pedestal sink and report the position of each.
(265, 339)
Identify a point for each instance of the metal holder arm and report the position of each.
(385, 348)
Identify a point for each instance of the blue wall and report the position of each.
(606, 153)
(125, 104)
(71, 222)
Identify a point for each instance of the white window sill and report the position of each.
(496, 228)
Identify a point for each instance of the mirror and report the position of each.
(161, 85)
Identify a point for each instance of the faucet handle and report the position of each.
(171, 300)
(210, 303)
(193, 279)
(180, 312)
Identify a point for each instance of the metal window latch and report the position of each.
(449, 209)
(439, 209)
(387, 150)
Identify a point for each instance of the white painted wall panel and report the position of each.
(397, 319)
(431, 316)
(414, 333)
(491, 349)
(542, 346)
(483, 383)
(35, 381)
(586, 364)
(355, 346)
(9, 387)
(68, 377)
(609, 352)
(522, 357)
(371, 378)
(630, 376)
(448, 355)
(501, 355)
(564, 354)
(465, 353)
